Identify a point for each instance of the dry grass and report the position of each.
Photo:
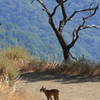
(96, 70)
(81, 67)
(12, 60)
(18, 55)
(39, 66)
(13, 92)
(15, 59)
(34, 65)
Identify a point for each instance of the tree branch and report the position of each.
(63, 22)
(73, 57)
(83, 26)
(83, 10)
(44, 7)
(91, 26)
(51, 22)
(63, 11)
(54, 10)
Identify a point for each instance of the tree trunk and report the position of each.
(61, 40)
(66, 53)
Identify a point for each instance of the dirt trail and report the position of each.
(71, 88)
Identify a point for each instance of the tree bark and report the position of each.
(66, 53)
(63, 44)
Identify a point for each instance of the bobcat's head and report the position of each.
(42, 89)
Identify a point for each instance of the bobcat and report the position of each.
(50, 93)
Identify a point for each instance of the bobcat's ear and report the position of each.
(42, 87)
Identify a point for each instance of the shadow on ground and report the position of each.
(46, 76)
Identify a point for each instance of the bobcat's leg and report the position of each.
(47, 97)
(54, 97)
(57, 98)
(50, 98)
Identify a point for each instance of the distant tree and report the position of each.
(66, 18)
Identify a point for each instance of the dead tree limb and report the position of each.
(58, 30)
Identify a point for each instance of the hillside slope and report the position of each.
(27, 25)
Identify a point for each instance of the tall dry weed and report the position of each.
(12, 91)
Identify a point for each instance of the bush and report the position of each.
(12, 60)
(81, 67)
(7, 68)
(16, 53)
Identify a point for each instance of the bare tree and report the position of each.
(62, 23)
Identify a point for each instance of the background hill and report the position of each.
(27, 25)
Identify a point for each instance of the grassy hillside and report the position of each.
(25, 24)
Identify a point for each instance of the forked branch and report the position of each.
(63, 22)
(83, 26)
(83, 10)
(55, 8)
